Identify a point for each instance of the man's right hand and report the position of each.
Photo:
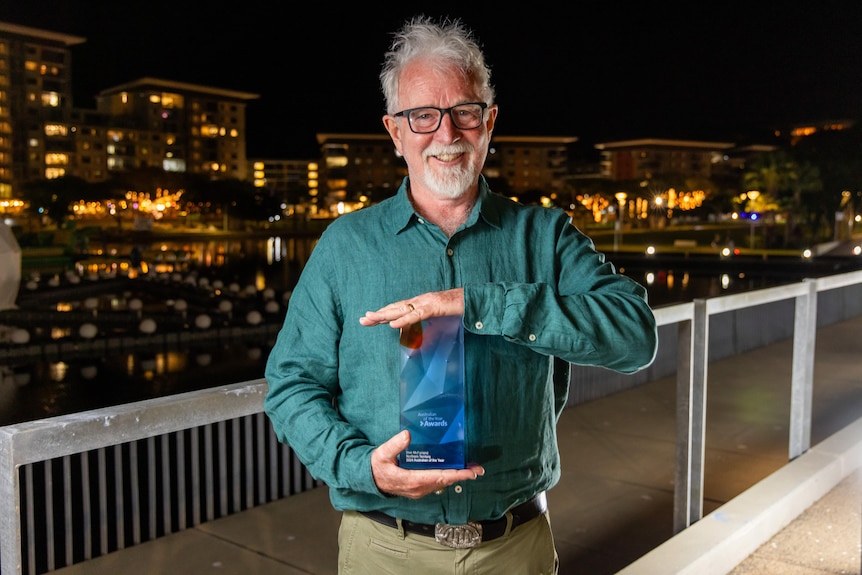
(413, 483)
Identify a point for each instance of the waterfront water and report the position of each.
(37, 388)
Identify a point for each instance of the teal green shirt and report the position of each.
(534, 289)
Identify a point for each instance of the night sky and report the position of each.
(722, 71)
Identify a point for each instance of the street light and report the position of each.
(618, 224)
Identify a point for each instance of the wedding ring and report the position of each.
(438, 492)
(410, 305)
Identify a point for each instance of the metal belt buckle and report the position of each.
(458, 536)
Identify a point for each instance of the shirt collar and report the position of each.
(403, 215)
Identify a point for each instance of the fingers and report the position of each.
(396, 444)
(393, 480)
(398, 315)
(432, 304)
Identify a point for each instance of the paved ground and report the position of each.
(826, 538)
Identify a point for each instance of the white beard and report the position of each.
(451, 182)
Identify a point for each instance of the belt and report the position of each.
(474, 532)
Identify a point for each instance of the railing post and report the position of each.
(10, 508)
(690, 417)
(802, 378)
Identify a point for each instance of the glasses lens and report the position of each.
(467, 116)
(427, 120)
(424, 120)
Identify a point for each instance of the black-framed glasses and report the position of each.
(427, 119)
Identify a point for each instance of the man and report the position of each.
(532, 292)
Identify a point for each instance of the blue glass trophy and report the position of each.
(432, 393)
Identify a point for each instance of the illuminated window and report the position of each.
(50, 99)
(52, 173)
(210, 130)
(154, 98)
(167, 101)
(56, 159)
(234, 133)
(174, 165)
(31, 66)
(33, 142)
(56, 130)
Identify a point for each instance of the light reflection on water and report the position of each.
(44, 389)
(36, 389)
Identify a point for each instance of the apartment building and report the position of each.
(145, 123)
(529, 163)
(295, 182)
(176, 126)
(35, 105)
(648, 158)
(357, 169)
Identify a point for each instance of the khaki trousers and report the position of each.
(366, 547)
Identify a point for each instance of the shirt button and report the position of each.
(458, 489)
(479, 325)
(450, 252)
(421, 221)
(532, 337)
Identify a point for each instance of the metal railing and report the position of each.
(78, 486)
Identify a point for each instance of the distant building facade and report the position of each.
(177, 127)
(35, 104)
(646, 159)
(295, 182)
(530, 163)
(359, 168)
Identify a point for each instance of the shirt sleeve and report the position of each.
(302, 374)
(588, 315)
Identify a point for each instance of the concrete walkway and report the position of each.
(612, 511)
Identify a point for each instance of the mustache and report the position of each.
(459, 147)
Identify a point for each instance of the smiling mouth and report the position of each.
(448, 157)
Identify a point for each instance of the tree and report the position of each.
(838, 155)
(52, 198)
(788, 183)
(232, 198)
